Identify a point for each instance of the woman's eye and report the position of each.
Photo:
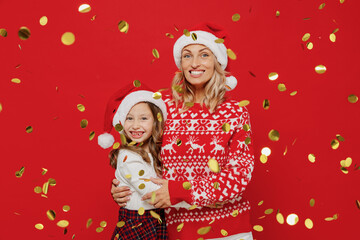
(144, 118)
(205, 55)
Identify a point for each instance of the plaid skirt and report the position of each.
(133, 226)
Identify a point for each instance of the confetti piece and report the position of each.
(219, 40)
(63, 223)
(169, 35)
(52, 182)
(89, 222)
(247, 140)
(120, 224)
(43, 20)
(186, 185)
(155, 215)
(84, 8)
(24, 33)
(357, 204)
(155, 53)
(91, 135)
(292, 219)
(321, 6)
(66, 208)
(231, 54)
(1, 107)
(332, 37)
(224, 232)
(274, 135)
(309, 45)
(244, 103)
(269, 211)
(178, 89)
(277, 14)
(266, 151)
(340, 138)
(192, 207)
(16, 80)
(159, 117)
(81, 107)
(281, 87)
(306, 37)
(194, 36)
(156, 95)
(235, 17)
(45, 188)
(293, 93)
(123, 26)
(186, 32)
(342, 1)
(280, 218)
(39, 226)
(38, 189)
(263, 158)
(273, 76)
(320, 69)
(246, 127)
(178, 142)
(142, 186)
(266, 104)
(128, 176)
(309, 223)
(334, 144)
(29, 129)
(311, 158)
(204, 230)
(137, 83)
(312, 202)
(352, 98)
(189, 104)
(213, 165)
(141, 211)
(226, 127)
(258, 228)
(216, 185)
(68, 38)
(99, 229)
(3, 32)
(179, 227)
(51, 214)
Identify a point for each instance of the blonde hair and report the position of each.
(155, 142)
(183, 92)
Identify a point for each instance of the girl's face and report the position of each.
(139, 124)
(198, 64)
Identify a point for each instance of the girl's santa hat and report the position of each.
(212, 36)
(119, 106)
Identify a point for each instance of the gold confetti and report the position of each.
(306, 37)
(132, 143)
(142, 186)
(155, 53)
(81, 107)
(43, 20)
(293, 93)
(309, 223)
(263, 158)
(39, 226)
(44, 171)
(123, 26)
(52, 182)
(3, 32)
(137, 83)
(19, 173)
(186, 32)
(273, 76)
(84, 8)
(340, 138)
(178, 142)
(309, 45)
(224, 232)
(99, 229)
(155, 215)
(261, 203)
(186, 185)
(266, 104)
(1, 107)
(156, 95)
(51, 214)
(153, 197)
(281, 87)
(29, 129)
(226, 127)
(274, 135)
(321, 6)
(192, 207)
(320, 69)
(311, 157)
(269, 211)
(159, 117)
(246, 127)
(280, 218)
(216, 185)
(258, 228)
(235, 213)
(266, 151)
(235, 17)
(141, 172)
(204, 230)
(247, 140)
(24, 33)
(344, 170)
(357, 204)
(83, 123)
(277, 14)
(352, 98)
(292, 219)
(128, 176)
(231, 54)
(332, 37)
(219, 40)
(45, 187)
(103, 224)
(118, 127)
(312, 202)
(91, 135)
(68, 38)
(169, 35)
(178, 89)
(16, 80)
(141, 211)
(244, 103)
(66, 208)
(213, 165)
(335, 144)
(38, 189)
(189, 104)
(194, 36)
(89, 222)
(179, 227)
(348, 162)
(63, 223)
(285, 151)
(120, 224)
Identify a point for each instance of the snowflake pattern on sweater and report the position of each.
(192, 138)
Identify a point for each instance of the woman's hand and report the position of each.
(120, 194)
(216, 205)
(162, 196)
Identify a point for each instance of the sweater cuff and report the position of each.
(178, 193)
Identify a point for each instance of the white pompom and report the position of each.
(106, 140)
(231, 83)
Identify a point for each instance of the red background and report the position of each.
(55, 78)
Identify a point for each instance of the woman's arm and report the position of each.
(121, 195)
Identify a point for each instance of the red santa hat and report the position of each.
(210, 35)
(119, 106)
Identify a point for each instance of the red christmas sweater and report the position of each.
(192, 138)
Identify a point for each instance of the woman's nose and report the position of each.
(195, 62)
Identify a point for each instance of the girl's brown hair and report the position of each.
(215, 90)
(155, 142)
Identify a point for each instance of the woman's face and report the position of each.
(198, 64)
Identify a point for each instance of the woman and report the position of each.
(206, 152)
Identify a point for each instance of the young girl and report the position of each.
(140, 119)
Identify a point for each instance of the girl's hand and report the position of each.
(120, 194)
(162, 196)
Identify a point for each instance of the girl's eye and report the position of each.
(186, 56)
(128, 118)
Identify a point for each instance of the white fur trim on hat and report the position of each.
(204, 38)
(132, 99)
(106, 140)
(231, 83)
